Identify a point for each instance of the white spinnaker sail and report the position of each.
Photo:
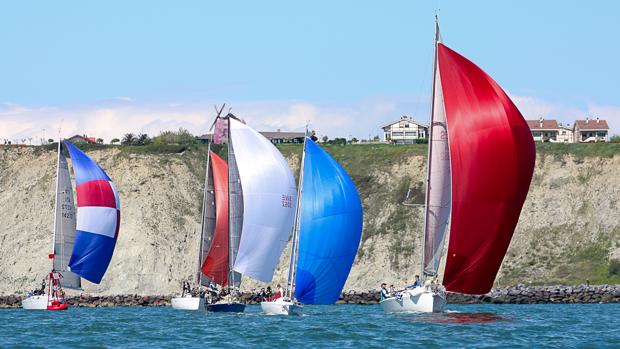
(439, 184)
(64, 230)
(269, 197)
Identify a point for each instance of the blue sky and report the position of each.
(156, 64)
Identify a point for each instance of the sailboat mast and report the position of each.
(231, 260)
(202, 224)
(56, 200)
(292, 273)
(430, 148)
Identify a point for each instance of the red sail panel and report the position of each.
(492, 155)
(215, 265)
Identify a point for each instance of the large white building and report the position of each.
(404, 131)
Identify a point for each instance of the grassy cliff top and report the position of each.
(350, 151)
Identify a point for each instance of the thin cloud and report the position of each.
(362, 119)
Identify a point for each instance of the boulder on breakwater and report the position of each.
(519, 294)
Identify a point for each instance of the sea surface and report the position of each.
(337, 326)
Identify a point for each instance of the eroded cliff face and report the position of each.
(568, 231)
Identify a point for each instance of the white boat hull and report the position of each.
(35, 303)
(416, 300)
(282, 307)
(188, 303)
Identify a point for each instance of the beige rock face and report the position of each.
(572, 205)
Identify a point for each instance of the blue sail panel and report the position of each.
(330, 228)
(98, 217)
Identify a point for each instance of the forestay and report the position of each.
(330, 228)
(98, 217)
(269, 195)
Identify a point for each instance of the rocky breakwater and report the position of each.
(86, 301)
(519, 294)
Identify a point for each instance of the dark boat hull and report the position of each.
(226, 308)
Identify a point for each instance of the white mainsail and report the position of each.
(269, 196)
(208, 222)
(235, 214)
(65, 222)
(438, 192)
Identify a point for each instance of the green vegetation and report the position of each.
(571, 264)
(182, 136)
(581, 150)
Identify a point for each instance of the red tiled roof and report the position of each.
(591, 125)
(546, 124)
(91, 140)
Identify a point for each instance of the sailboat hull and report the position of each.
(282, 307)
(226, 307)
(35, 303)
(415, 301)
(188, 303)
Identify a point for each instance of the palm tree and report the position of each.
(143, 139)
(128, 139)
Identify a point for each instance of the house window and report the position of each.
(407, 125)
(535, 133)
(411, 134)
(601, 134)
(563, 132)
(397, 134)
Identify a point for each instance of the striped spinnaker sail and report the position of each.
(98, 217)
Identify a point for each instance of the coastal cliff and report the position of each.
(569, 229)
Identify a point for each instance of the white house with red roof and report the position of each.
(77, 139)
(588, 131)
(544, 130)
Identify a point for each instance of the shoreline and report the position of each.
(519, 294)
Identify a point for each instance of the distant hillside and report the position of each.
(569, 229)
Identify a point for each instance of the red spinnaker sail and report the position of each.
(215, 265)
(492, 155)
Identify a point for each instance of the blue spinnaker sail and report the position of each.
(330, 228)
(98, 217)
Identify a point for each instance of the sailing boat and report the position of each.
(254, 196)
(480, 163)
(84, 241)
(208, 230)
(326, 234)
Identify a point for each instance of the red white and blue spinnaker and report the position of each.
(98, 217)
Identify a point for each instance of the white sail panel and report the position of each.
(269, 197)
(439, 184)
(207, 227)
(64, 230)
(235, 216)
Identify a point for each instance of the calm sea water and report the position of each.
(341, 326)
